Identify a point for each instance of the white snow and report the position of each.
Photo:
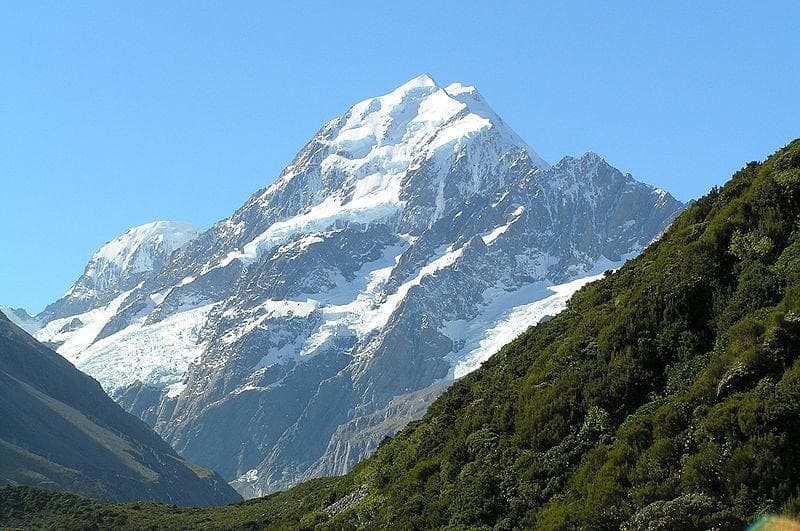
(75, 341)
(353, 308)
(131, 253)
(460, 131)
(157, 354)
(174, 390)
(455, 89)
(158, 297)
(508, 314)
(366, 209)
(121, 250)
(380, 315)
(281, 355)
(118, 250)
(503, 319)
(186, 280)
(374, 146)
(270, 309)
(494, 234)
(250, 475)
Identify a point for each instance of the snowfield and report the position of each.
(157, 354)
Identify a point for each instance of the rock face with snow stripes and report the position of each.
(120, 265)
(405, 243)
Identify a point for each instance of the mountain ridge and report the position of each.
(119, 265)
(410, 237)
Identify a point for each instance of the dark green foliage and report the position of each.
(28, 507)
(666, 396)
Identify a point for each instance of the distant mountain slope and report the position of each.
(666, 396)
(120, 265)
(408, 240)
(22, 319)
(58, 429)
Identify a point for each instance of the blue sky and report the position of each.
(114, 114)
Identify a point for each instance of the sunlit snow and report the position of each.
(157, 354)
(73, 340)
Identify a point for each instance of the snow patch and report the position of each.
(72, 341)
(175, 390)
(508, 314)
(157, 354)
(492, 236)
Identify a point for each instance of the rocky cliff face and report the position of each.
(405, 243)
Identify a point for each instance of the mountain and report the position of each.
(21, 318)
(58, 429)
(665, 396)
(406, 242)
(120, 265)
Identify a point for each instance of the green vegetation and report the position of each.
(667, 395)
(33, 508)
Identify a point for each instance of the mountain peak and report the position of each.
(422, 80)
(121, 264)
(591, 156)
(387, 157)
(134, 251)
(119, 250)
(420, 86)
(588, 158)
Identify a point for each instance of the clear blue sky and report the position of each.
(114, 114)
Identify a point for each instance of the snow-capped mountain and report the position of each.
(405, 243)
(72, 324)
(120, 265)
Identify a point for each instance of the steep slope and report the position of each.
(409, 239)
(58, 429)
(120, 265)
(666, 396)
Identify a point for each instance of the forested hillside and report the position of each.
(666, 396)
(669, 392)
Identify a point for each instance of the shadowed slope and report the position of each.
(58, 429)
